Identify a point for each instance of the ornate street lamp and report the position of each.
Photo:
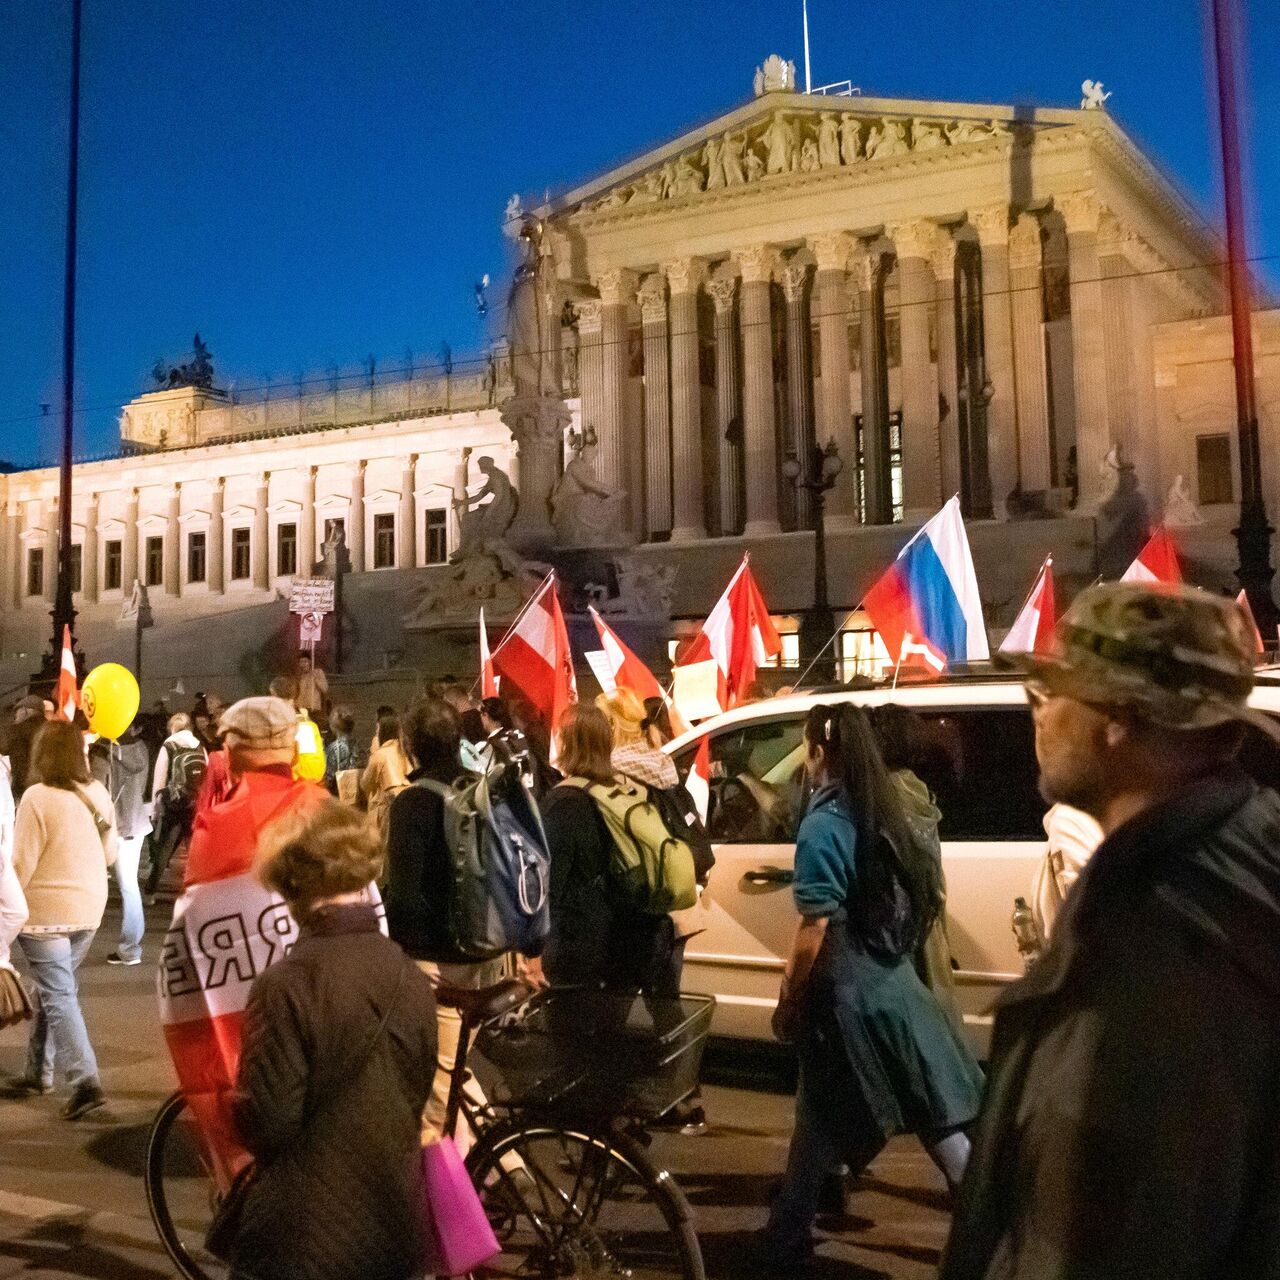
(817, 622)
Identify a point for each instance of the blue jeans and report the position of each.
(132, 922)
(58, 1034)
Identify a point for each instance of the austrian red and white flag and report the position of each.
(534, 660)
(488, 680)
(66, 698)
(698, 783)
(630, 673)
(739, 635)
(1156, 562)
(1032, 630)
(1243, 601)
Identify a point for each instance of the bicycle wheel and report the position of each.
(567, 1201)
(180, 1191)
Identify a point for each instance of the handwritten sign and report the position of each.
(311, 595)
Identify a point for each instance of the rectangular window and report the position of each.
(1213, 469)
(286, 549)
(197, 557)
(112, 564)
(154, 561)
(77, 567)
(895, 463)
(35, 571)
(241, 560)
(437, 539)
(384, 541)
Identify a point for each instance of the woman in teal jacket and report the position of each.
(877, 1054)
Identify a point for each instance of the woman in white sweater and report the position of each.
(64, 841)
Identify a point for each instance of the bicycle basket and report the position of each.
(598, 1052)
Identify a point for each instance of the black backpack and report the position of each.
(681, 816)
(883, 914)
(187, 767)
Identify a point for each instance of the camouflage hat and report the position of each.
(263, 724)
(1176, 655)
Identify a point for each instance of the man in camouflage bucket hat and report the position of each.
(1130, 1125)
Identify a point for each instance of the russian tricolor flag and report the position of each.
(926, 605)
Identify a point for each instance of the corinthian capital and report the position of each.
(992, 224)
(1024, 242)
(685, 275)
(831, 251)
(914, 239)
(590, 315)
(722, 291)
(867, 262)
(943, 256)
(653, 298)
(617, 286)
(757, 264)
(1081, 210)
(795, 275)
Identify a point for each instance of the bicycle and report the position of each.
(560, 1159)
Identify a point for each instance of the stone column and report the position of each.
(355, 519)
(757, 265)
(870, 270)
(590, 358)
(261, 536)
(307, 523)
(657, 406)
(89, 553)
(173, 544)
(408, 538)
(617, 289)
(1120, 329)
(728, 406)
(1026, 306)
(688, 521)
(944, 273)
(9, 553)
(51, 550)
(917, 293)
(795, 290)
(129, 545)
(216, 542)
(1080, 211)
(992, 226)
(835, 409)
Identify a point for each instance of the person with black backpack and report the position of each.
(877, 1054)
(175, 784)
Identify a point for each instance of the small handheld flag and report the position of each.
(65, 697)
(488, 681)
(1156, 562)
(534, 657)
(1032, 629)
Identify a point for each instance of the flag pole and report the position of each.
(808, 84)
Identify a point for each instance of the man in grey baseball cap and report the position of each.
(1130, 1125)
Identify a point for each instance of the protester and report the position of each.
(385, 712)
(877, 1055)
(340, 752)
(203, 725)
(635, 750)
(176, 782)
(339, 1046)
(900, 734)
(596, 936)
(1130, 1125)
(126, 781)
(1072, 839)
(286, 689)
(418, 864)
(28, 719)
(64, 841)
(219, 781)
(386, 774)
(312, 693)
(495, 715)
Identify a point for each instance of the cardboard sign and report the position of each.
(697, 690)
(311, 595)
(601, 668)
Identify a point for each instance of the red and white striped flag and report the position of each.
(488, 681)
(738, 634)
(698, 783)
(534, 658)
(66, 697)
(1032, 629)
(1243, 601)
(1156, 562)
(630, 673)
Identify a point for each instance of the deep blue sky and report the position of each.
(313, 181)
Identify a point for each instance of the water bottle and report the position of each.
(1025, 933)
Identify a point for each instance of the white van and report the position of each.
(984, 777)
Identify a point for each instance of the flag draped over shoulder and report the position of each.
(926, 605)
(534, 660)
(739, 635)
(1156, 562)
(1032, 629)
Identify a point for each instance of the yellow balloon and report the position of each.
(310, 761)
(109, 699)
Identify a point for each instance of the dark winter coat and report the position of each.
(335, 1126)
(1131, 1127)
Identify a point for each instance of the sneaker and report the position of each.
(85, 1097)
(693, 1122)
(23, 1087)
(116, 958)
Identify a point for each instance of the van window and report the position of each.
(982, 771)
(757, 782)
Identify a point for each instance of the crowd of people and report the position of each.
(1126, 1123)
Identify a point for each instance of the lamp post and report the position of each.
(816, 477)
(1253, 534)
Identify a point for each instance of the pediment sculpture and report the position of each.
(775, 75)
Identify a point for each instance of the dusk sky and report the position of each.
(312, 182)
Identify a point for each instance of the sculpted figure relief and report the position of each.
(485, 518)
(779, 141)
(1094, 99)
(926, 136)
(850, 139)
(687, 180)
(712, 154)
(961, 131)
(828, 141)
(1180, 510)
(731, 159)
(584, 510)
(755, 166)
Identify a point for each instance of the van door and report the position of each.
(757, 790)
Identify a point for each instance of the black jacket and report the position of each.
(419, 869)
(334, 1125)
(1131, 1127)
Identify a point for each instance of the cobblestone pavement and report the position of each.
(72, 1202)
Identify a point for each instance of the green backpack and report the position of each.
(652, 868)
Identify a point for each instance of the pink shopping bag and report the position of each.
(456, 1229)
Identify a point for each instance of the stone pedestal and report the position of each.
(537, 425)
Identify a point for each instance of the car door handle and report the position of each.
(769, 875)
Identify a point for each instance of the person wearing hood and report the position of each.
(1130, 1125)
(179, 772)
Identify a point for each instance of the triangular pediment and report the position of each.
(779, 135)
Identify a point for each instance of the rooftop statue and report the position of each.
(775, 75)
(1094, 99)
(197, 372)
